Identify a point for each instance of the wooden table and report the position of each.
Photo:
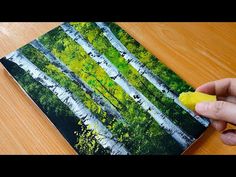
(198, 52)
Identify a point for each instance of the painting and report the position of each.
(104, 92)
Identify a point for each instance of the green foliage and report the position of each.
(132, 134)
(175, 83)
(60, 115)
(166, 105)
(86, 141)
(139, 132)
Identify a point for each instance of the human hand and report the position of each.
(223, 110)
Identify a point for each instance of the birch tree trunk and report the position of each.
(106, 106)
(183, 139)
(144, 71)
(103, 135)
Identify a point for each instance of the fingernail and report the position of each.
(201, 107)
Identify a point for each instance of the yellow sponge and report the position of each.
(190, 99)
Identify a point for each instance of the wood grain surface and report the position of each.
(198, 52)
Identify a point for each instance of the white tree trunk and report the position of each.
(103, 136)
(106, 106)
(144, 71)
(183, 139)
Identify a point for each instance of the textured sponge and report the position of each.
(190, 99)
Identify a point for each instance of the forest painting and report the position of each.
(105, 92)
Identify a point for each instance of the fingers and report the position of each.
(219, 125)
(222, 111)
(229, 137)
(218, 110)
(223, 87)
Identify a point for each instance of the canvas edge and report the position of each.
(196, 140)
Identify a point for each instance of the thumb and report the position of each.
(218, 110)
(229, 137)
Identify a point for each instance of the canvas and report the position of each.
(105, 92)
